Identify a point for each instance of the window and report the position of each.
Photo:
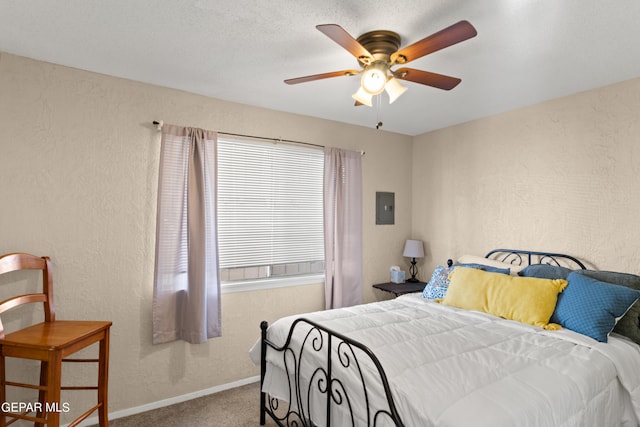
(270, 222)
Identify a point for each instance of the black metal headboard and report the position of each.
(518, 257)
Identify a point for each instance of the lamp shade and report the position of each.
(413, 249)
(394, 89)
(374, 78)
(363, 97)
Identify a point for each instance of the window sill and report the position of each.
(261, 285)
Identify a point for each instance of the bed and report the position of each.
(416, 361)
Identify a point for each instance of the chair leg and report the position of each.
(103, 381)
(3, 395)
(42, 395)
(52, 395)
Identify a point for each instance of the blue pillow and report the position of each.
(591, 307)
(629, 325)
(438, 284)
(483, 267)
(545, 271)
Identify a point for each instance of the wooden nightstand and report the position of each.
(401, 288)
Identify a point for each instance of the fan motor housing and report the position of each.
(380, 43)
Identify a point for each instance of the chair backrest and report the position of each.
(21, 261)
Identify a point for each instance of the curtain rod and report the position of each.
(160, 123)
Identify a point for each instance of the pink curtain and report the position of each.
(342, 227)
(186, 298)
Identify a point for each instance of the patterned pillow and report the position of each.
(629, 325)
(591, 307)
(438, 284)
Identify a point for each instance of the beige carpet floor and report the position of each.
(237, 407)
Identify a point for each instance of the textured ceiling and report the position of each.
(526, 51)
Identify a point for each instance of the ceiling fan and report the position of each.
(377, 52)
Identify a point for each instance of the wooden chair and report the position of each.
(50, 342)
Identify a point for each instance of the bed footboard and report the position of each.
(332, 380)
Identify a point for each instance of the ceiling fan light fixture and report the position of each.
(394, 89)
(377, 51)
(363, 97)
(374, 78)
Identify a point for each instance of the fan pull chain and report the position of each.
(378, 104)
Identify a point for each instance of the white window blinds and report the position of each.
(269, 204)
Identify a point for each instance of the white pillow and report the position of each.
(474, 259)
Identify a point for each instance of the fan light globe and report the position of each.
(373, 79)
(394, 89)
(363, 97)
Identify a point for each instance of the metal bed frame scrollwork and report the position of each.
(342, 355)
(518, 257)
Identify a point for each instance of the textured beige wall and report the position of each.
(558, 176)
(78, 176)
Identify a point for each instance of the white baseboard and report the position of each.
(170, 401)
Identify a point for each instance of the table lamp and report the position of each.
(413, 249)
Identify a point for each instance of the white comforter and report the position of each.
(451, 367)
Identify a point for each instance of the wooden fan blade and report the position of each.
(456, 33)
(344, 39)
(439, 81)
(311, 78)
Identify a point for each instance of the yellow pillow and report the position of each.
(524, 299)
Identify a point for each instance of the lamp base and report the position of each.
(413, 270)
